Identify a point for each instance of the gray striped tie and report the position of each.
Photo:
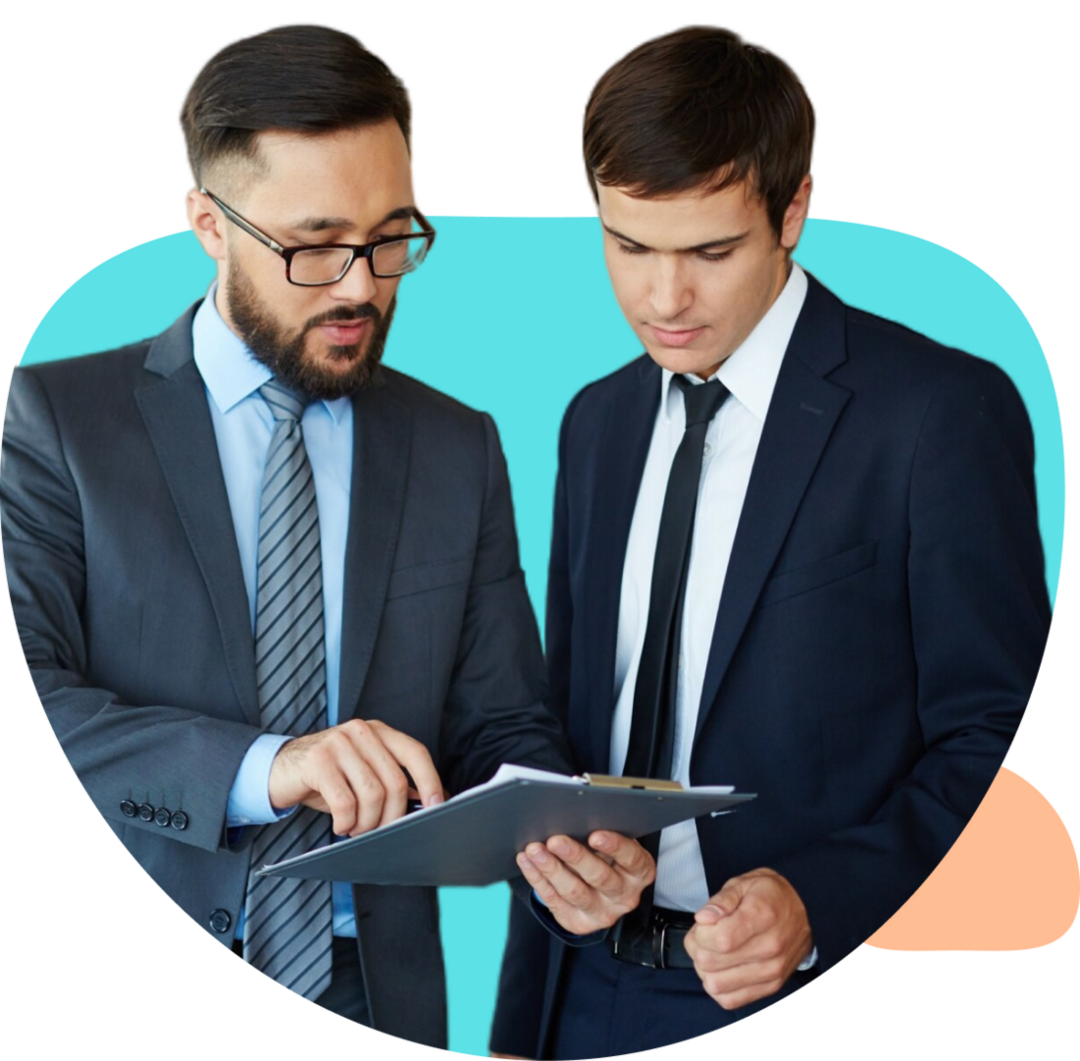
(288, 931)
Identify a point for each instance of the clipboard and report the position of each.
(473, 839)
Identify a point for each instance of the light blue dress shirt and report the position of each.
(243, 425)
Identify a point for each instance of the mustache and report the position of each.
(345, 313)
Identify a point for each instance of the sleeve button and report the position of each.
(220, 921)
(179, 820)
(146, 812)
(128, 808)
(162, 817)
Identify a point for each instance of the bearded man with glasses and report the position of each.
(268, 590)
(398, 250)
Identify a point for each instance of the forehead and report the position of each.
(356, 174)
(683, 220)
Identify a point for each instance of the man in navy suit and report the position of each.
(795, 547)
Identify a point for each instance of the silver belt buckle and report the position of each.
(661, 960)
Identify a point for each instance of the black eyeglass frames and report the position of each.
(388, 256)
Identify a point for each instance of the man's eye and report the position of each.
(705, 256)
(626, 248)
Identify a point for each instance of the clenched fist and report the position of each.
(749, 938)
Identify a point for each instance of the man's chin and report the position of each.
(343, 356)
(329, 370)
(335, 371)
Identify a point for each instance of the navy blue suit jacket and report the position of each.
(882, 621)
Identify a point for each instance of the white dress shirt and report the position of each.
(731, 444)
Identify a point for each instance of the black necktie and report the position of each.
(652, 728)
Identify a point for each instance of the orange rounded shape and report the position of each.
(1011, 881)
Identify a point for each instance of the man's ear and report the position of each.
(208, 223)
(795, 215)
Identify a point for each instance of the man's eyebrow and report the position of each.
(723, 241)
(322, 224)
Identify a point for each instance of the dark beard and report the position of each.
(283, 354)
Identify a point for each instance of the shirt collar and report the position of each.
(750, 372)
(228, 368)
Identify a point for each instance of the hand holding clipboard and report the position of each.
(474, 838)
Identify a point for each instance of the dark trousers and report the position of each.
(607, 1007)
(346, 995)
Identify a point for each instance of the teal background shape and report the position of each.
(519, 342)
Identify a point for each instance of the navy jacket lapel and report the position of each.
(804, 409)
(177, 418)
(624, 446)
(382, 433)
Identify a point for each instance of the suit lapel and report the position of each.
(803, 411)
(382, 433)
(177, 418)
(624, 446)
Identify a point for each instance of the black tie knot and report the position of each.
(702, 400)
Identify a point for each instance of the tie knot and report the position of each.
(284, 403)
(702, 400)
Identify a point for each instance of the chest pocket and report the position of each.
(422, 578)
(811, 576)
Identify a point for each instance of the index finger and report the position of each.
(625, 853)
(416, 759)
(593, 870)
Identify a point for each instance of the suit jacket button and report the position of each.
(162, 817)
(146, 812)
(128, 808)
(179, 820)
(220, 921)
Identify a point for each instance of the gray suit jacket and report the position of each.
(130, 603)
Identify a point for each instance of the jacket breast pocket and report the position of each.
(819, 573)
(421, 578)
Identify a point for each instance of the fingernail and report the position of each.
(434, 800)
(540, 856)
(602, 841)
(559, 847)
(523, 862)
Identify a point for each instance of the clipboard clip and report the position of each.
(651, 783)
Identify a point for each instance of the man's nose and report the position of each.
(358, 283)
(671, 293)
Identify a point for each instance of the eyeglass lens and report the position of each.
(322, 265)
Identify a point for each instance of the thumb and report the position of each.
(724, 903)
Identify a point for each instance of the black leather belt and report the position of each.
(658, 944)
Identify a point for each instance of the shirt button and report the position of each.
(708, 449)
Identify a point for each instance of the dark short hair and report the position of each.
(308, 78)
(699, 109)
